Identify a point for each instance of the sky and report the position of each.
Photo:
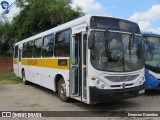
(144, 12)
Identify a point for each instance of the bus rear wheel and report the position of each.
(25, 82)
(62, 90)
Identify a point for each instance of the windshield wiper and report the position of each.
(131, 43)
(106, 34)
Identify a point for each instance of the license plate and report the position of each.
(141, 91)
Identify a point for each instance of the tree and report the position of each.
(6, 38)
(36, 16)
(40, 15)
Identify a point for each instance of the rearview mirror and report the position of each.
(106, 35)
(131, 42)
(91, 40)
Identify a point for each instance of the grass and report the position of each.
(9, 78)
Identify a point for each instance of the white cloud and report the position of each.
(90, 6)
(145, 19)
(152, 14)
(144, 25)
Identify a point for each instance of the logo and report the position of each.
(6, 7)
(6, 114)
(4, 4)
(123, 85)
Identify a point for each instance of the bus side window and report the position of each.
(37, 48)
(24, 50)
(48, 46)
(62, 44)
(16, 52)
(29, 52)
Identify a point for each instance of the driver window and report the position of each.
(115, 47)
(99, 47)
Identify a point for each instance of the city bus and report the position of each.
(152, 60)
(92, 59)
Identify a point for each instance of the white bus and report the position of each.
(91, 59)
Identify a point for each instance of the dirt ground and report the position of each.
(19, 97)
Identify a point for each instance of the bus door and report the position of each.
(19, 62)
(83, 65)
(78, 67)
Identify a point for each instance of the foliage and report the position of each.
(6, 38)
(40, 15)
(34, 17)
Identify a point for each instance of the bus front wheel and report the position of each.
(62, 90)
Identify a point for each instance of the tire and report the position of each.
(62, 90)
(25, 82)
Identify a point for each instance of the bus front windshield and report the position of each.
(152, 51)
(113, 53)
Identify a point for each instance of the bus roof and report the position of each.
(78, 21)
(150, 34)
(58, 28)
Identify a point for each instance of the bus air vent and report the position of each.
(120, 85)
(121, 78)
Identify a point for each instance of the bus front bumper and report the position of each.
(100, 96)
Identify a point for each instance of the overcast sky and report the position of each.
(145, 12)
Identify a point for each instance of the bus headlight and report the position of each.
(142, 81)
(143, 78)
(98, 83)
(102, 86)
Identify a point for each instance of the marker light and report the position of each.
(93, 78)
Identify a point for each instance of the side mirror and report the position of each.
(106, 34)
(91, 40)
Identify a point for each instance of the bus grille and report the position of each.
(121, 78)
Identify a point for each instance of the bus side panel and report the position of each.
(151, 81)
(44, 76)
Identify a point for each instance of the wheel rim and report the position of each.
(63, 89)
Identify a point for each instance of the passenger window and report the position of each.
(84, 48)
(37, 48)
(24, 50)
(62, 44)
(16, 52)
(29, 49)
(48, 46)
(20, 56)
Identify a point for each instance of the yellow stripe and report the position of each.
(48, 63)
(15, 61)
